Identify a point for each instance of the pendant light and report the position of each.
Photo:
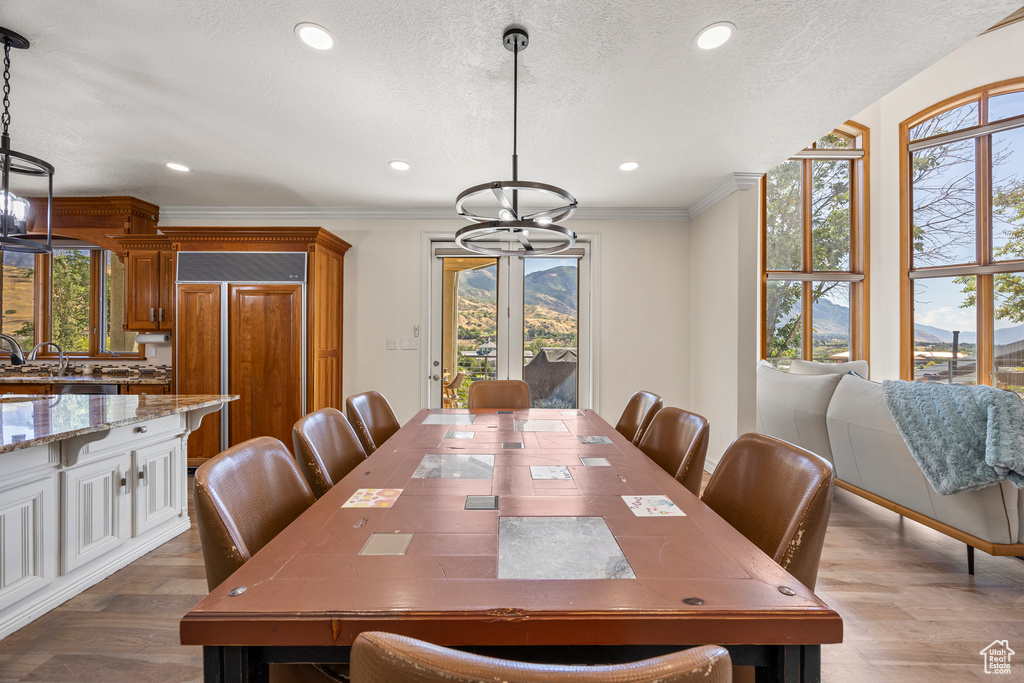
(508, 221)
(14, 210)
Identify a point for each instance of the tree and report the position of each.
(830, 240)
(69, 315)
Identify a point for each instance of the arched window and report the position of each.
(814, 256)
(962, 239)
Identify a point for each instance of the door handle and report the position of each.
(152, 314)
(436, 377)
(161, 318)
(124, 484)
(142, 475)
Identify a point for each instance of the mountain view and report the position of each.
(550, 305)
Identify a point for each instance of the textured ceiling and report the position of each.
(111, 90)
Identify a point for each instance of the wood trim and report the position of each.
(286, 237)
(906, 286)
(999, 87)
(962, 536)
(763, 326)
(860, 249)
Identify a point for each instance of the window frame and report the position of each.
(985, 267)
(857, 274)
(44, 306)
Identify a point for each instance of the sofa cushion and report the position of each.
(792, 407)
(806, 367)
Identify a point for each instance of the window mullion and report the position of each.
(806, 186)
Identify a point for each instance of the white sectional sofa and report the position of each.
(844, 419)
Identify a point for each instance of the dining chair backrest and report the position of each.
(637, 415)
(244, 497)
(451, 390)
(678, 441)
(326, 448)
(372, 418)
(385, 658)
(777, 495)
(501, 394)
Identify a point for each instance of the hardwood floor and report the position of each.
(911, 611)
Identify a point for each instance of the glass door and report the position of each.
(510, 318)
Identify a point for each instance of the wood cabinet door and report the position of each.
(265, 360)
(143, 290)
(26, 388)
(165, 309)
(198, 363)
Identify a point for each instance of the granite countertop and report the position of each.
(82, 379)
(32, 420)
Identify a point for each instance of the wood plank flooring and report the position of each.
(911, 611)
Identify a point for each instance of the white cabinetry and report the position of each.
(159, 496)
(97, 510)
(28, 534)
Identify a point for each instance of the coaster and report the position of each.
(595, 462)
(481, 502)
(387, 544)
(594, 439)
(512, 444)
(652, 506)
(549, 472)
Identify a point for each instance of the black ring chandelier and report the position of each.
(509, 225)
(14, 210)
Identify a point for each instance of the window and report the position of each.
(962, 239)
(76, 295)
(814, 284)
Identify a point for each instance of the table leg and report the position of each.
(213, 664)
(785, 665)
(242, 665)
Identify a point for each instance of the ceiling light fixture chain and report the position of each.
(509, 225)
(6, 119)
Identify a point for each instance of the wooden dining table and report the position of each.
(540, 535)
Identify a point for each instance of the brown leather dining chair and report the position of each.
(387, 658)
(245, 496)
(502, 394)
(326, 448)
(373, 419)
(777, 495)
(637, 415)
(678, 441)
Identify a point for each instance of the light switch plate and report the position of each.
(392, 344)
(410, 344)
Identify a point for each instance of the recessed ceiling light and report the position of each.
(315, 36)
(715, 35)
(629, 166)
(177, 167)
(399, 165)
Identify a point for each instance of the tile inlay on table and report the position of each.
(455, 466)
(481, 502)
(595, 462)
(459, 435)
(559, 548)
(508, 445)
(448, 419)
(594, 439)
(550, 472)
(387, 544)
(540, 426)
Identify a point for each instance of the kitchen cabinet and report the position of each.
(149, 283)
(12, 388)
(281, 331)
(143, 389)
(28, 537)
(97, 510)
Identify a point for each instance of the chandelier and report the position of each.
(532, 228)
(14, 210)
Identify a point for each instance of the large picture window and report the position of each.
(962, 239)
(814, 285)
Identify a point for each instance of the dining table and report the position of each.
(539, 535)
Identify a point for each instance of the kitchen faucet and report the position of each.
(62, 361)
(17, 354)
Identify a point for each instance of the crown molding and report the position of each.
(731, 183)
(428, 213)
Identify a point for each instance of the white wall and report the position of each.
(723, 317)
(987, 59)
(642, 316)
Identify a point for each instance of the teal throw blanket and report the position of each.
(963, 437)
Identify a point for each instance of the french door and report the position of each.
(510, 317)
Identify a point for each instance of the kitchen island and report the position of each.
(88, 483)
